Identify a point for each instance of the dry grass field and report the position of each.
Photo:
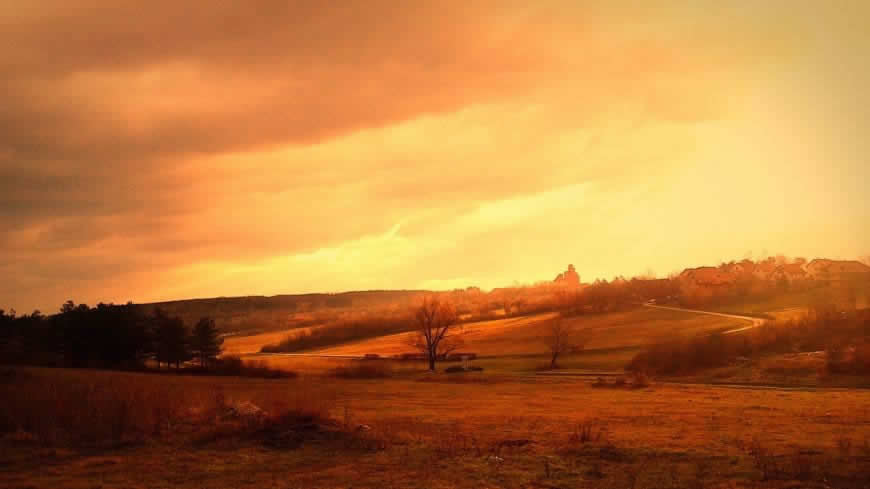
(430, 431)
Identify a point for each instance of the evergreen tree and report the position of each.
(206, 341)
(171, 340)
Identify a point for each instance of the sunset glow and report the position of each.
(157, 150)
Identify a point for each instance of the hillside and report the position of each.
(526, 335)
(513, 344)
(254, 314)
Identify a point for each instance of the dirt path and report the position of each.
(754, 322)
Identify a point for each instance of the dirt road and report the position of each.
(753, 322)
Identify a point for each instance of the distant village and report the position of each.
(769, 270)
(747, 278)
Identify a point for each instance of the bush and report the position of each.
(850, 360)
(367, 370)
(639, 379)
(342, 331)
(235, 366)
(459, 369)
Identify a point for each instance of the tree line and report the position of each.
(106, 336)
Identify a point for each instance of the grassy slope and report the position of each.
(526, 335)
(517, 344)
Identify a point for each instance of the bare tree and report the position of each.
(509, 298)
(436, 324)
(560, 339)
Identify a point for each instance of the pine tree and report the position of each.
(206, 341)
(172, 342)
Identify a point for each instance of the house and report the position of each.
(707, 276)
(744, 267)
(569, 277)
(765, 270)
(825, 270)
(790, 272)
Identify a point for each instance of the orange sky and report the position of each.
(172, 149)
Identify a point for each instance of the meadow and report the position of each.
(426, 431)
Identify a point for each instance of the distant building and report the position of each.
(746, 266)
(707, 276)
(569, 277)
(791, 272)
(837, 271)
(765, 270)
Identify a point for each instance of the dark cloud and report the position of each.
(118, 117)
(111, 81)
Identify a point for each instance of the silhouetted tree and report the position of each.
(171, 341)
(509, 299)
(559, 339)
(436, 327)
(106, 336)
(206, 341)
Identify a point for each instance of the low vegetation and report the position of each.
(844, 337)
(362, 370)
(79, 409)
(235, 366)
(343, 331)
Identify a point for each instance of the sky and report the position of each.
(166, 150)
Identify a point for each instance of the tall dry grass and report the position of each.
(93, 408)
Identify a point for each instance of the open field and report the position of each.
(514, 345)
(433, 431)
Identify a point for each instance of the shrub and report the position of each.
(291, 428)
(639, 379)
(367, 370)
(343, 331)
(459, 369)
(581, 434)
(843, 359)
(235, 366)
